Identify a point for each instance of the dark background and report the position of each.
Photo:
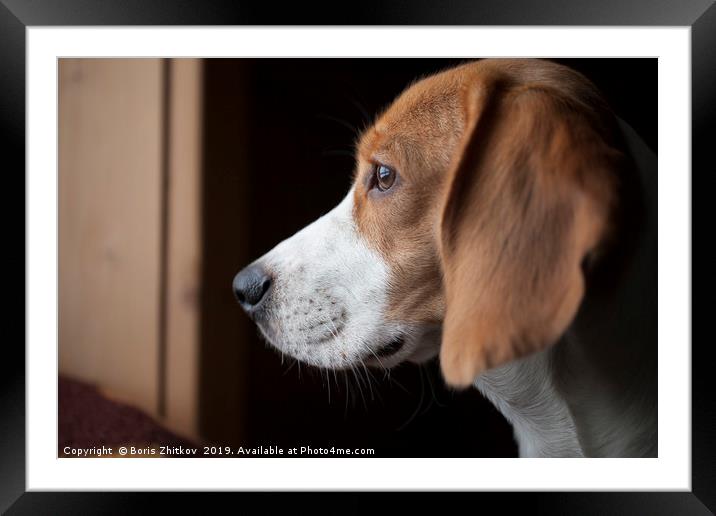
(278, 137)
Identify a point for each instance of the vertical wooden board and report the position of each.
(110, 130)
(184, 246)
(226, 234)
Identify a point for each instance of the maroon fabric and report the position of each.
(87, 419)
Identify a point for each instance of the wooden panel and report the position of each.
(110, 129)
(184, 246)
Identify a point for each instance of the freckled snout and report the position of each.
(250, 288)
(320, 297)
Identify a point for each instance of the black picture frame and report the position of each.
(17, 15)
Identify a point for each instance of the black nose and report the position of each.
(250, 286)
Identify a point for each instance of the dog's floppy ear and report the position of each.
(528, 199)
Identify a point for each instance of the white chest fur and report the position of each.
(524, 392)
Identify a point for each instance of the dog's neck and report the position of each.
(524, 392)
(594, 392)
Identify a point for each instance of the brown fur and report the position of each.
(507, 180)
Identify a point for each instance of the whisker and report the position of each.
(345, 412)
(396, 382)
(335, 378)
(432, 388)
(372, 378)
(328, 384)
(417, 410)
(360, 389)
(380, 363)
(361, 108)
(290, 367)
(370, 387)
(340, 121)
(424, 374)
(338, 152)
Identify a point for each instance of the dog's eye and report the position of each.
(384, 177)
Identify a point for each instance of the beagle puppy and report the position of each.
(502, 218)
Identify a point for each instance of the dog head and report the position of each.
(478, 197)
